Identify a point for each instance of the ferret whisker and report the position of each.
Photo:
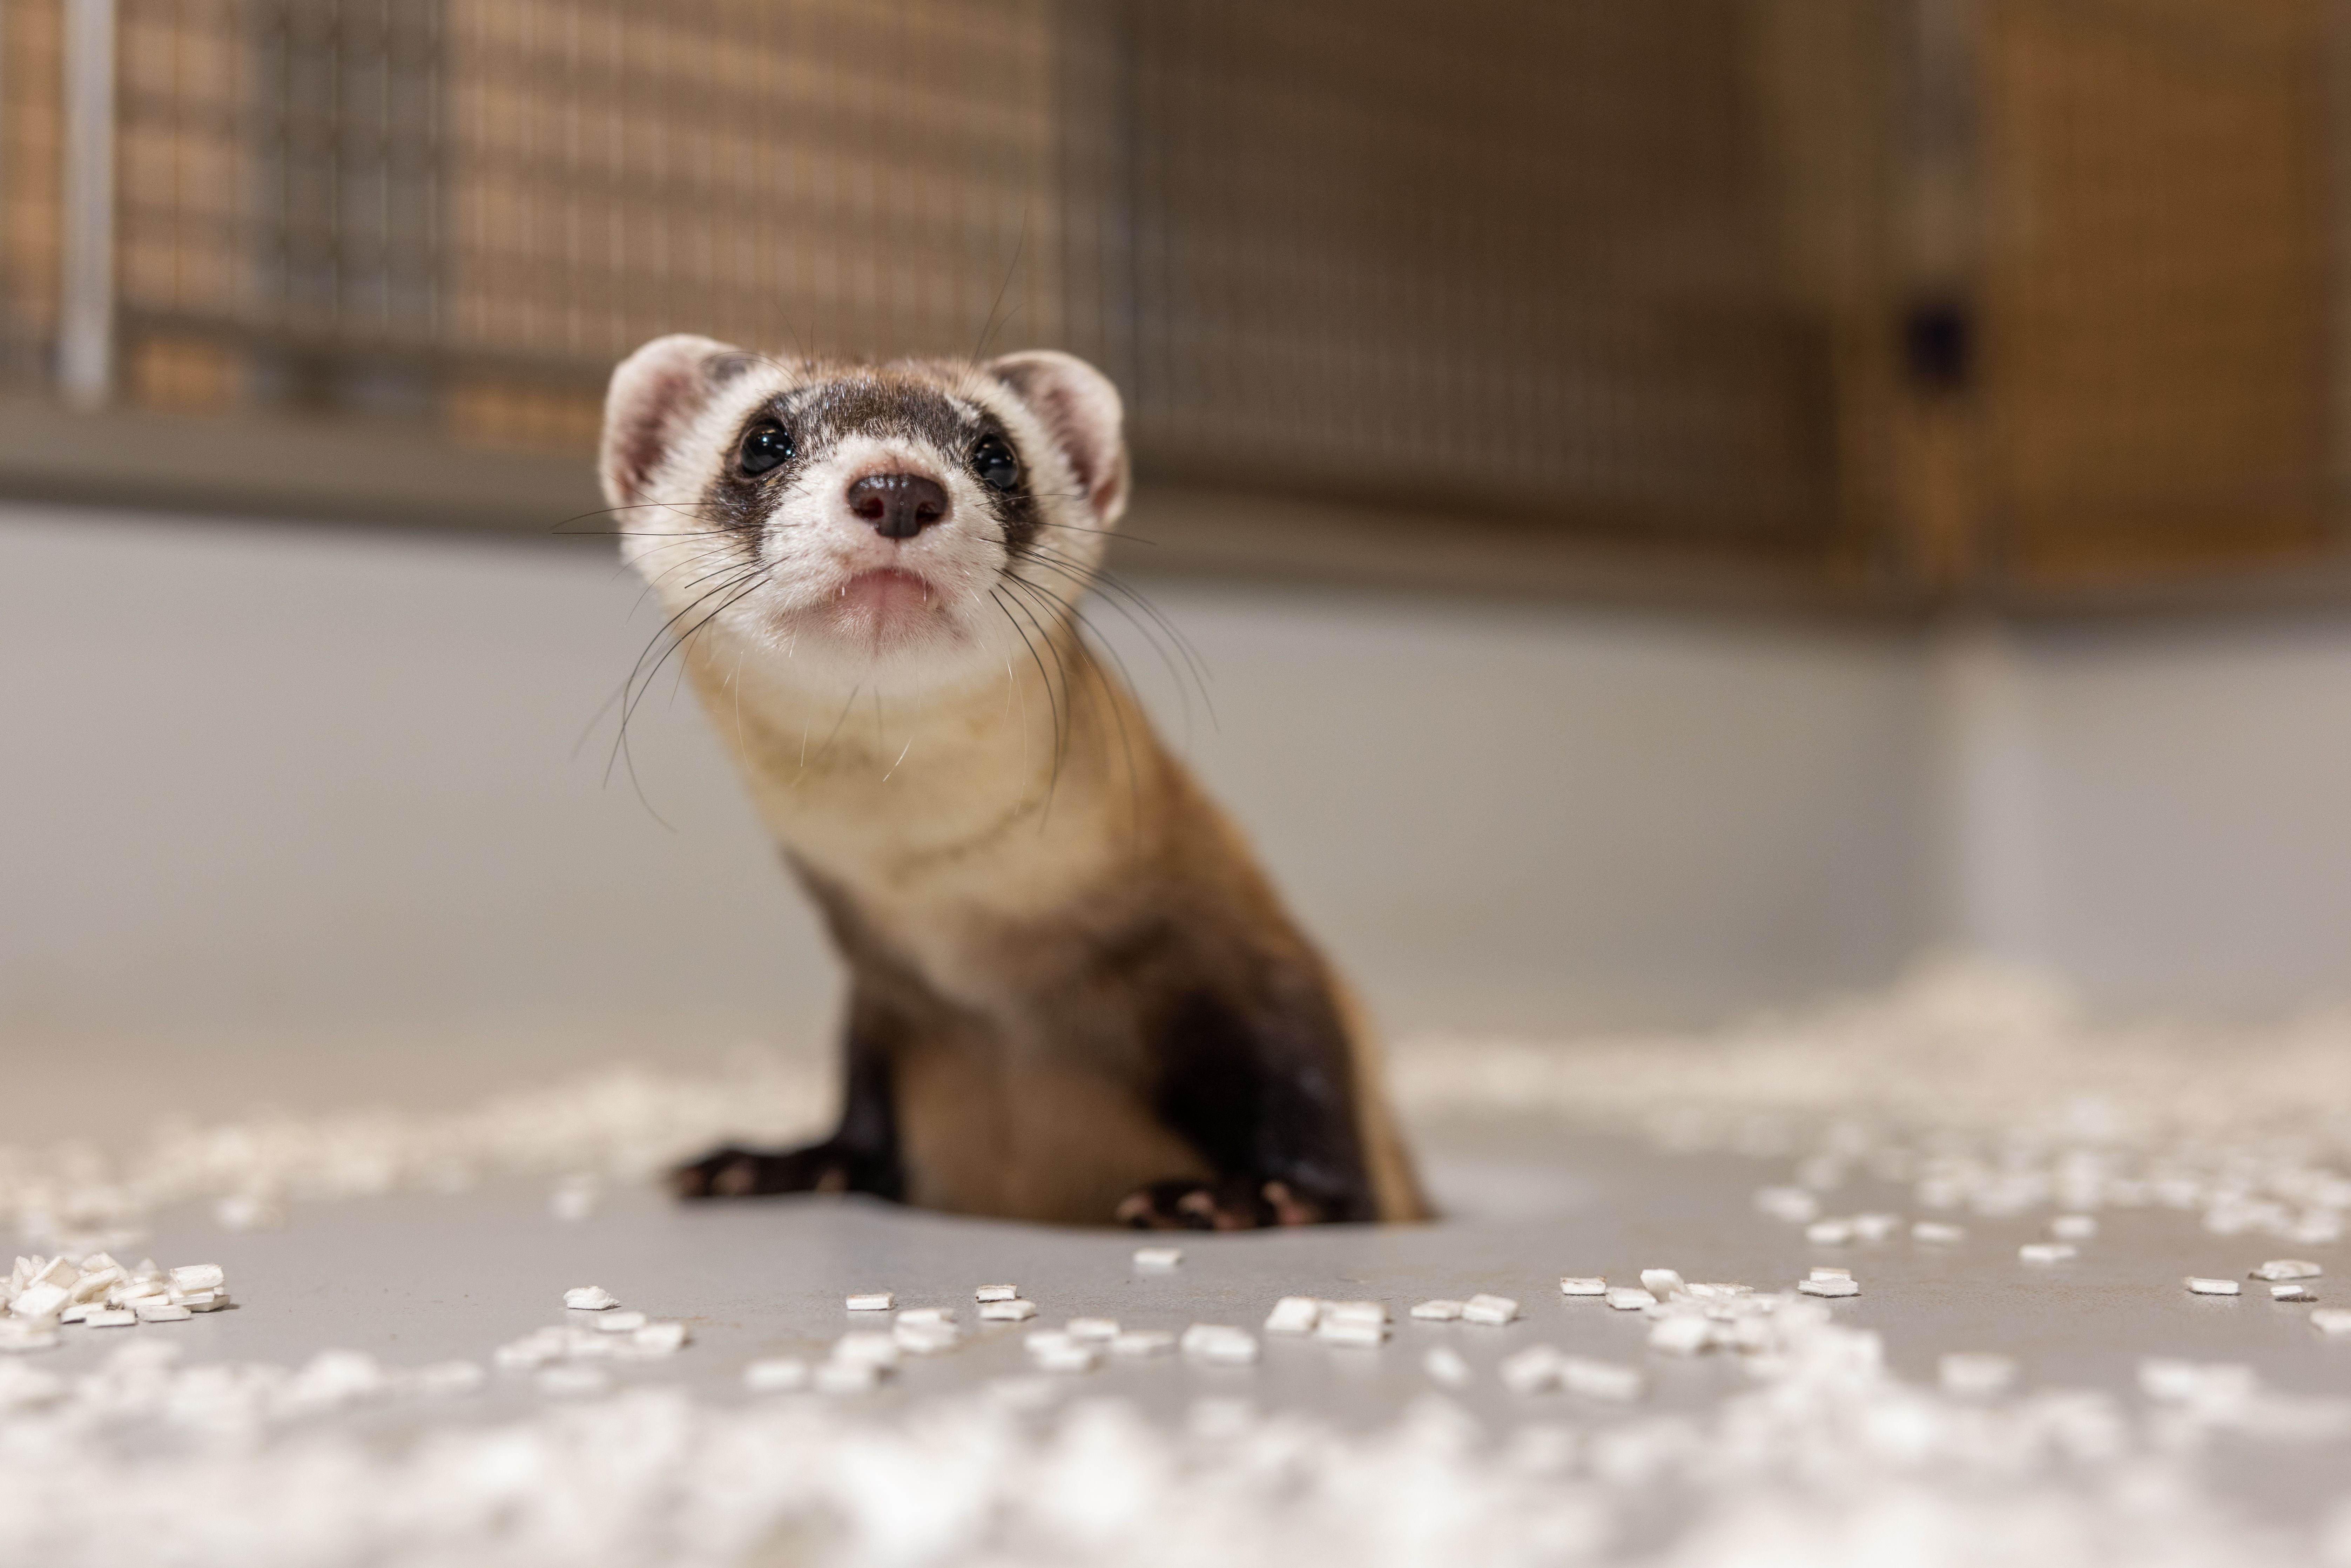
(657, 580)
(1155, 631)
(1054, 781)
(987, 328)
(1159, 632)
(1067, 711)
(1117, 709)
(807, 761)
(641, 678)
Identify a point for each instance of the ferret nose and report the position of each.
(899, 505)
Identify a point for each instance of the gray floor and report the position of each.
(415, 1279)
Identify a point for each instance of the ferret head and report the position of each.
(909, 523)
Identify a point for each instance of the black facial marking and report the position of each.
(767, 450)
(995, 463)
(797, 426)
(871, 403)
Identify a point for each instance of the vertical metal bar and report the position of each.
(86, 288)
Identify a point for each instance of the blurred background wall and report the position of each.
(1686, 505)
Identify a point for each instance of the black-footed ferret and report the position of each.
(1073, 995)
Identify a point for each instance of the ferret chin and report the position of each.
(1074, 996)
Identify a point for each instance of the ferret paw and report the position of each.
(751, 1173)
(1239, 1203)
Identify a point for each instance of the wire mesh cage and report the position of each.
(1959, 295)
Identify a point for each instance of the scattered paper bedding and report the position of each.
(1786, 1332)
(44, 1295)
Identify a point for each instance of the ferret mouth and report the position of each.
(885, 600)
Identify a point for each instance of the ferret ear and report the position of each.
(654, 396)
(1078, 406)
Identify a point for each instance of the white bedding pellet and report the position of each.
(95, 1282)
(1294, 1315)
(2074, 1227)
(846, 1376)
(927, 1314)
(868, 1345)
(1583, 1285)
(658, 1338)
(248, 1211)
(2047, 1251)
(574, 1381)
(1360, 1334)
(1681, 1335)
(1975, 1375)
(1007, 1310)
(873, 1301)
(1529, 1370)
(1438, 1312)
(2198, 1285)
(1830, 1271)
(40, 1301)
(2205, 1382)
(1158, 1256)
(1600, 1379)
(1493, 1310)
(1091, 1331)
(1792, 1204)
(1219, 1342)
(1935, 1233)
(1067, 1356)
(77, 1311)
(2291, 1290)
(620, 1323)
(163, 1313)
(1629, 1298)
(926, 1336)
(197, 1277)
(2286, 1269)
(1039, 1340)
(446, 1377)
(2332, 1320)
(997, 1293)
(1662, 1283)
(1829, 1287)
(1027, 1394)
(1829, 1232)
(1357, 1311)
(1445, 1366)
(522, 1354)
(776, 1375)
(1143, 1341)
(573, 1199)
(1876, 1226)
(1703, 1290)
(590, 1299)
(111, 1318)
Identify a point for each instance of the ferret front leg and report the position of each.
(1266, 1093)
(862, 1155)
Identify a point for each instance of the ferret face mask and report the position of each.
(919, 522)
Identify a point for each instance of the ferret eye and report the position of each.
(993, 461)
(764, 445)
